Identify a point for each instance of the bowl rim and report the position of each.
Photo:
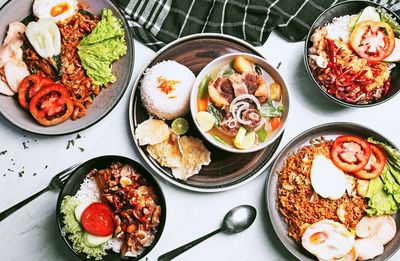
(268, 186)
(193, 104)
(117, 98)
(306, 63)
(148, 175)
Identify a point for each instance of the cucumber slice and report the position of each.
(79, 210)
(94, 241)
(395, 55)
(52, 28)
(369, 13)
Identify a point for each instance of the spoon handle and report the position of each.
(177, 251)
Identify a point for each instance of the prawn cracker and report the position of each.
(152, 132)
(167, 153)
(195, 154)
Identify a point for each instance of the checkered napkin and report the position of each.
(158, 22)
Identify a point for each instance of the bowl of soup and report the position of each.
(239, 103)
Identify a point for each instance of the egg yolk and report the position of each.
(59, 9)
(318, 238)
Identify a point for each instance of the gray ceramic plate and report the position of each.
(103, 103)
(330, 131)
(227, 170)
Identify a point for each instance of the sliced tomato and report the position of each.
(29, 86)
(350, 153)
(51, 105)
(372, 40)
(375, 165)
(98, 219)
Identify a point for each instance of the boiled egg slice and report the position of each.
(327, 180)
(328, 240)
(58, 10)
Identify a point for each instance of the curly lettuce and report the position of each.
(384, 191)
(389, 19)
(73, 230)
(104, 45)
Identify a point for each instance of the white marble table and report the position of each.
(31, 233)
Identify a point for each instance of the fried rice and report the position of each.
(71, 73)
(300, 205)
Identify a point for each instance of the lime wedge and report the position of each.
(205, 120)
(180, 126)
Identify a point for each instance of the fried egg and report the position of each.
(58, 10)
(328, 240)
(327, 180)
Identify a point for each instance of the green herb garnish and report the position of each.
(217, 138)
(86, 12)
(269, 110)
(258, 69)
(261, 134)
(215, 112)
(203, 87)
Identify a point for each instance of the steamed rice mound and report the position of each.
(165, 90)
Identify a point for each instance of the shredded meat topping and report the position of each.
(73, 76)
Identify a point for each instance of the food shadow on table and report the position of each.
(310, 95)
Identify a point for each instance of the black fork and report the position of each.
(56, 183)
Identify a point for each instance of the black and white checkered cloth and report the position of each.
(158, 22)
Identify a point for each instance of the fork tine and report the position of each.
(63, 175)
(66, 172)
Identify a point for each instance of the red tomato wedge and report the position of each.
(29, 86)
(375, 165)
(372, 40)
(350, 153)
(97, 219)
(51, 105)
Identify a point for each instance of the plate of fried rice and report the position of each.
(314, 214)
(69, 79)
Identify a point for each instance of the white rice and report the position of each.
(88, 191)
(172, 105)
(340, 28)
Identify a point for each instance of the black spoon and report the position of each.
(236, 220)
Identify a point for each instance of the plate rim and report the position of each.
(268, 181)
(148, 161)
(118, 98)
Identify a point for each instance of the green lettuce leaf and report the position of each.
(73, 230)
(104, 45)
(380, 202)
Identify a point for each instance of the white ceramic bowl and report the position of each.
(226, 59)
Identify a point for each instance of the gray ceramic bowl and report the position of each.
(329, 131)
(341, 9)
(103, 103)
